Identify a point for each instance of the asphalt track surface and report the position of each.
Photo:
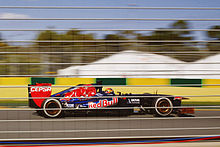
(19, 124)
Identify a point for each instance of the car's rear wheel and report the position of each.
(52, 108)
(159, 103)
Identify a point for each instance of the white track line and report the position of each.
(111, 130)
(110, 119)
(122, 137)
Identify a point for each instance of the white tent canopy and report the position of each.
(144, 65)
(204, 68)
(128, 64)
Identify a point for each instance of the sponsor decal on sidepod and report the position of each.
(40, 89)
(103, 103)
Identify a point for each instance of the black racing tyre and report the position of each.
(162, 102)
(52, 108)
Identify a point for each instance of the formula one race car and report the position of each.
(91, 98)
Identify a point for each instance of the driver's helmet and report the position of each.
(109, 91)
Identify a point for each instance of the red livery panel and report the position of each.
(39, 92)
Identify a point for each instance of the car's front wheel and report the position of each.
(52, 108)
(163, 107)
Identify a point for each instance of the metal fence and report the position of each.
(42, 58)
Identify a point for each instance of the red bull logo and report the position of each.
(103, 103)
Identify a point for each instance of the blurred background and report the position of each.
(40, 40)
(168, 47)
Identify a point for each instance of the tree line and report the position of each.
(179, 47)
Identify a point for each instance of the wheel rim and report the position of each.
(164, 103)
(52, 104)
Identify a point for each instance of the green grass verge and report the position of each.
(13, 103)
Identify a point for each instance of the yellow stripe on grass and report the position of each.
(14, 81)
(147, 81)
(211, 81)
(74, 81)
(207, 109)
(11, 93)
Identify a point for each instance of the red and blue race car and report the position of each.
(92, 98)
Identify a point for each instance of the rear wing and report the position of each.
(38, 93)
